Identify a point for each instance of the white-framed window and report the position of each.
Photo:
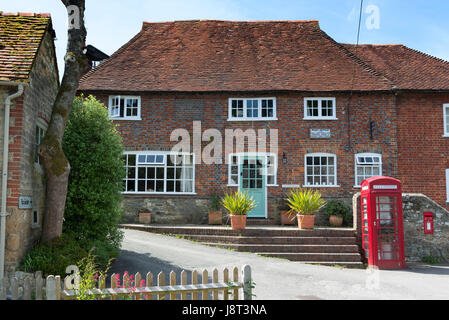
(124, 107)
(367, 165)
(320, 170)
(320, 109)
(159, 172)
(234, 168)
(249, 109)
(41, 129)
(446, 119)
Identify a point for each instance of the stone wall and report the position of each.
(25, 177)
(418, 245)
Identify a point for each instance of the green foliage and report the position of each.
(238, 203)
(54, 257)
(90, 277)
(337, 208)
(431, 260)
(214, 202)
(94, 149)
(305, 202)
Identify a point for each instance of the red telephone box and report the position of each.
(382, 223)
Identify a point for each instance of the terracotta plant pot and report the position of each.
(145, 217)
(306, 222)
(215, 218)
(287, 219)
(238, 222)
(336, 221)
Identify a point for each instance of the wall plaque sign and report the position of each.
(320, 133)
(25, 203)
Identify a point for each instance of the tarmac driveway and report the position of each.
(277, 279)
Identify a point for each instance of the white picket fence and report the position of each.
(236, 285)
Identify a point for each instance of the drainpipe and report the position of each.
(3, 213)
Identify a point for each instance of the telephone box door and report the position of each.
(387, 229)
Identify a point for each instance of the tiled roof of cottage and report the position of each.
(207, 55)
(407, 68)
(20, 37)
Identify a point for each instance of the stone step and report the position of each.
(315, 257)
(349, 265)
(249, 231)
(260, 222)
(288, 248)
(271, 240)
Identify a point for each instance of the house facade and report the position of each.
(29, 82)
(266, 107)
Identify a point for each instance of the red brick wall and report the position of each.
(161, 114)
(423, 152)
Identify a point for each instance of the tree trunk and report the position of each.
(55, 164)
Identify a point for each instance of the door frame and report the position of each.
(242, 157)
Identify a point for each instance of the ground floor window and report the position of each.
(321, 170)
(235, 161)
(159, 172)
(367, 165)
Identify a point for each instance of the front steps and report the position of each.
(330, 247)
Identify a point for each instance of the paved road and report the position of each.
(277, 279)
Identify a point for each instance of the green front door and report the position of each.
(253, 181)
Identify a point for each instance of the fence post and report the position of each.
(14, 288)
(247, 283)
(39, 285)
(27, 289)
(3, 286)
(50, 290)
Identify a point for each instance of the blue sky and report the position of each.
(419, 24)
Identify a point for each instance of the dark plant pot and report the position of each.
(306, 222)
(238, 222)
(145, 217)
(215, 218)
(287, 219)
(336, 221)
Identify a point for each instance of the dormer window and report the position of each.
(124, 108)
(252, 109)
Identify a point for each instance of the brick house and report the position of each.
(29, 82)
(335, 114)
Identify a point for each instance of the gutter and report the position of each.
(4, 190)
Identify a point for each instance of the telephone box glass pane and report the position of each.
(387, 234)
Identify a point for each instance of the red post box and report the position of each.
(382, 223)
(428, 222)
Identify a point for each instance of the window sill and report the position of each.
(251, 119)
(320, 119)
(159, 193)
(321, 186)
(445, 136)
(126, 119)
(357, 187)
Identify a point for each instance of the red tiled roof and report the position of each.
(206, 55)
(20, 37)
(407, 68)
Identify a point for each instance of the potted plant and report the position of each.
(145, 216)
(337, 211)
(286, 218)
(305, 204)
(239, 205)
(215, 216)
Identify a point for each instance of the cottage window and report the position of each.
(321, 170)
(320, 109)
(234, 169)
(367, 165)
(252, 109)
(159, 172)
(41, 129)
(446, 119)
(124, 107)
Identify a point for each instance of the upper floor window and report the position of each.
(367, 165)
(252, 109)
(41, 129)
(446, 119)
(321, 170)
(124, 107)
(320, 109)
